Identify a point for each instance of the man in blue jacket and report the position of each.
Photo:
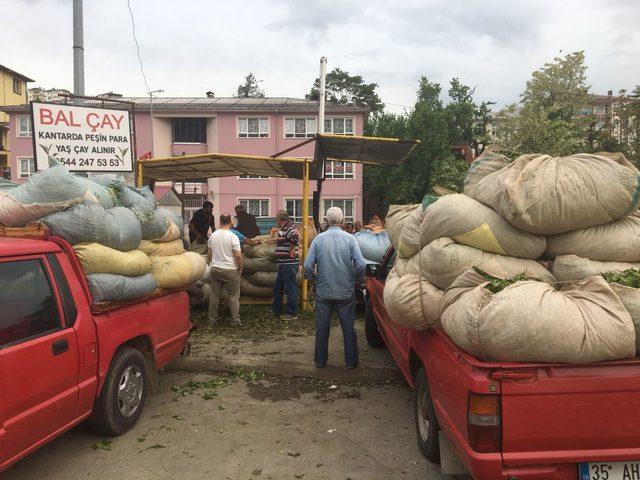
(335, 264)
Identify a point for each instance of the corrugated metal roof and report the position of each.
(222, 104)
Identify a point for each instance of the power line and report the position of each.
(135, 39)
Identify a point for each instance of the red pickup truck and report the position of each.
(64, 359)
(513, 421)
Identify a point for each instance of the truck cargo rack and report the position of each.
(103, 307)
(31, 230)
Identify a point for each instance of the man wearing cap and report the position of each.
(335, 264)
(200, 223)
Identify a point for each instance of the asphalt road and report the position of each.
(247, 427)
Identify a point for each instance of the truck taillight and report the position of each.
(484, 422)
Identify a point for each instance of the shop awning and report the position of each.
(355, 149)
(214, 165)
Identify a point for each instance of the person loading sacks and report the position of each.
(287, 242)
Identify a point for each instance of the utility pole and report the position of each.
(78, 51)
(151, 115)
(317, 195)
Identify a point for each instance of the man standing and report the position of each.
(226, 268)
(246, 223)
(335, 264)
(287, 242)
(200, 223)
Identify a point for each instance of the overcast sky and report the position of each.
(191, 46)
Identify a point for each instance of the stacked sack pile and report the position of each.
(127, 247)
(512, 269)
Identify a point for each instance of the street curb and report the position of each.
(361, 374)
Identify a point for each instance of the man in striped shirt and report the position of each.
(287, 243)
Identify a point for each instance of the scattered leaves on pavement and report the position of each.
(103, 444)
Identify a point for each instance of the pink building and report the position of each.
(255, 126)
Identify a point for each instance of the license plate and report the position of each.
(610, 471)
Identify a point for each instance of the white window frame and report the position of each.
(23, 133)
(308, 133)
(346, 218)
(21, 173)
(353, 120)
(253, 177)
(260, 134)
(268, 200)
(298, 218)
(343, 176)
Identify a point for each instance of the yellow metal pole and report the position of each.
(305, 233)
(138, 174)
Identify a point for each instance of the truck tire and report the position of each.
(427, 427)
(374, 339)
(122, 398)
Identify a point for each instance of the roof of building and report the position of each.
(222, 104)
(13, 72)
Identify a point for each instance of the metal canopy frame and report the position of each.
(341, 148)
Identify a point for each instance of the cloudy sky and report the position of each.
(191, 46)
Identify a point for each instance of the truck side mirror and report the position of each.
(372, 270)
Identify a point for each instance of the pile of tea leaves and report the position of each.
(497, 284)
(628, 278)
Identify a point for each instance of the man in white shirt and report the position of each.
(226, 268)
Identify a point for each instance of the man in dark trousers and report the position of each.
(246, 223)
(287, 258)
(200, 223)
(336, 265)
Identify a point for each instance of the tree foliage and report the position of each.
(250, 88)
(439, 127)
(343, 88)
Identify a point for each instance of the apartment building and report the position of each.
(13, 90)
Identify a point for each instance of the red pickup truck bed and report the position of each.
(541, 420)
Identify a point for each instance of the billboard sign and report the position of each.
(86, 139)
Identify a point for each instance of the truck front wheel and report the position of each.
(120, 403)
(427, 426)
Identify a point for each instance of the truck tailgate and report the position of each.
(570, 413)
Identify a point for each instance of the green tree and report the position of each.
(549, 117)
(343, 88)
(250, 88)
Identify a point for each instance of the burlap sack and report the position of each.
(488, 162)
(248, 289)
(178, 271)
(96, 258)
(259, 264)
(468, 222)
(618, 241)
(266, 248)
(410, 304)
(571, 267)
(155, 249)
(546, 195)
(469, 280)
(630, 298)
(532, 322)
(443, 260)
(395, 220)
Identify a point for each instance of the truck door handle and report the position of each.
(60, 346)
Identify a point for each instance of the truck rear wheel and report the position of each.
(120, 403)
(374, 339)
(427, 427)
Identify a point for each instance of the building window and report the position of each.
(24, 127)
(346, 205)
(17, 86)
(339, 125)
(253, 127)
(338, 169)
(189, 130)
(26, 167)
(294, 209)
(246, 176)
(299, 127)
(258, 207)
